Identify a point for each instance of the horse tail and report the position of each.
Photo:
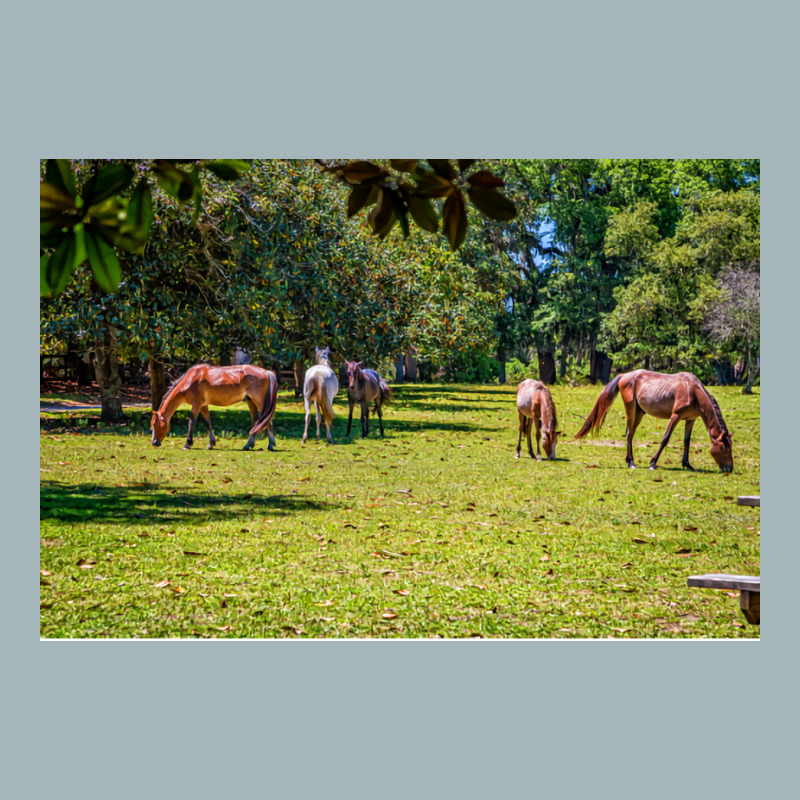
(270, 405)
(324, 401)
(386, 392)
(596, 419)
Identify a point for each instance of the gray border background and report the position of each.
(638, 719)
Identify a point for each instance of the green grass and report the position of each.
(435, 531)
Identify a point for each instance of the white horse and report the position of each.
(320, 387)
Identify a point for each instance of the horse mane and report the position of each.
(548, 411)
(174, 385)
(716, 409)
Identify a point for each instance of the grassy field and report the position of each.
(435, 531)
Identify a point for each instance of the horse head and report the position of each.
(549, 441)
(322, 355)
(160, 428)
(722, 451)
(351, 373)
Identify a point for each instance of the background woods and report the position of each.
(466, 270)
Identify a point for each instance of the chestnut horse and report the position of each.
(320, 387)
(536, 407)
(364, 386)
(674, 397)
(203, 386)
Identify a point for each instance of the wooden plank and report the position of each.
(749, 500)
(749, 583)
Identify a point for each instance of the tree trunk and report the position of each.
(158, 383)
(547, 366)
(399, 369)
(501, 360)
(106, 368)
(599, 367)
(752, 372)
(299, 377)
(562, 365)
(410, 367)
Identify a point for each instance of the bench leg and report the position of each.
(750, 603)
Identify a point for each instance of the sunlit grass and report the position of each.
(435, 531)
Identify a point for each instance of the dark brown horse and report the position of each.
(674, 397)
(364, 386)
(536, 408)
(203, 386)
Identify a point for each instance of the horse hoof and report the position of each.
(187, 447)
(517, 455)
(631, 466)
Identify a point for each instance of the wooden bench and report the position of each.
(748, 585)
(749, 500)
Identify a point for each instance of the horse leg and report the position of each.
(316, 408)
(308, 415)
(364, 419)
(673, 421)
(254, 412)
(206, 416)
(528, 429)
(687, 436)
(192, 423)
(538, 423)
(633, 415)
(350, 418)
(380, 416)
(521, 431)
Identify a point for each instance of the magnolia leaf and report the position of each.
(358, 198)
(133, 232)
(492, 203)
(485, 178)
(58, 172)
(109, 181)
(404, 164)
(67, 256)
(359, 171)
(423, 213)
(429, 184)
(400, 209)
(103, 261)
(443, 167)
(228, 169)
(454, 219)
(175, 182)
(52, 198)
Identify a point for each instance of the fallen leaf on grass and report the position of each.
(192, 553)
(637, 540)
(178, 589)
(737, 624)
(86, 563)
(403, 592)
(44, 572)
(224, 594)
(690, 528)
(225, 628)
(388, 615)
(683, 549)
(324, 603)
(549, 572)
(204, 635)
(162, 584)
(545, 558)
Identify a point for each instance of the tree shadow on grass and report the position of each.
(144, 504)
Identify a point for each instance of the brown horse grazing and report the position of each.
(203, 386)
(536, 407)
(364, 386)
(673, 397)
